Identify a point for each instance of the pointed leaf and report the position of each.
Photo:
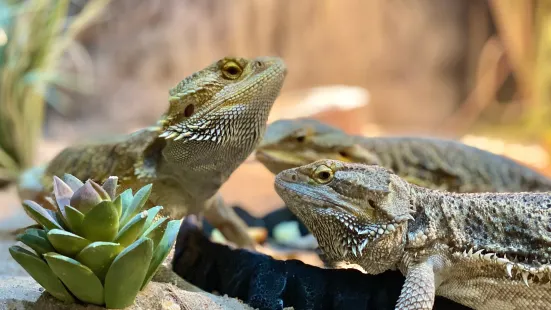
(98, 256)
(151, 213)
(137, 204)
(79, 279)
(117, 203)
(127, 273)
(101, 223)
(67, 243)
(39, 244)
(130, 232)
(156, 231)
(62, 194)
(40, 215)
(101, 192)
(110, 186)
(41, 273)
(162, 250)
(126, 201)
(73, 182)
(37, 232)
(73, 219)
(85, 198)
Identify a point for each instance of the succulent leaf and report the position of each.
(137, 204)
(110, 186)
(40, 215)
(126, 200)
(73, 182)
(39, 244)
(98, 256)
(101, 192)
(117, 203)
(127, 273)
(73, 218)
(37, 232)
(130, 232)
(85, 198)
(67, 243)
(151, 213)
(162, 250)
(101, 223)
(156, 231)
(41, 273)
(79, 279)
(62, 194)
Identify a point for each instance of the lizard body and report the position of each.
(428, 162)
(215, 119)
(483, 250)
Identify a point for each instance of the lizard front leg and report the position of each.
(227, 222)
(419, 288)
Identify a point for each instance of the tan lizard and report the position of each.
(429, 162)
(483, 250)
(215, 119)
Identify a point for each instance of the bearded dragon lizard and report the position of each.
(483, 250)
(429, 162)
(215, 119)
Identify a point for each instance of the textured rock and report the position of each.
(23, 293)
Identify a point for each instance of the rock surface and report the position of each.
(23, 293)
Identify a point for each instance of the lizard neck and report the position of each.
(429, 225)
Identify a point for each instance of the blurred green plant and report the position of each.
(96, 247)
(33, 36)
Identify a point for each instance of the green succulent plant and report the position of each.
(97, 248)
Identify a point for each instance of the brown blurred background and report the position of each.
(449, 68)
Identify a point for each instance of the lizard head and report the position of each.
(358, 213)
(290, 143)
(220, 112)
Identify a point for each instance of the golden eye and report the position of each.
(323, 174)
(231, 70)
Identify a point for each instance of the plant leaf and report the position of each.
(137, 204)
(156, 231)
(39, 244)
(40, 215)
(41, 273)
(73, 182)
(67, 243)
(151, 213)
(127, 273)
(162, 250)
(130, 232)
(126, 200)
(101, 192)
(62, 194)
(37, 232)
(110, 186)
(117, 203)
(98, 256)
(85, 198)
(101, 223)
(79, 279)
(73, 219)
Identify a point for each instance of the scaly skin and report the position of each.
(428, 162)
(216, 118)
(483, 250)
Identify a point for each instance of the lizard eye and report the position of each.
(231, 70)
(343, 154)
(188, 111)
(323, 174)
(300, 139)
